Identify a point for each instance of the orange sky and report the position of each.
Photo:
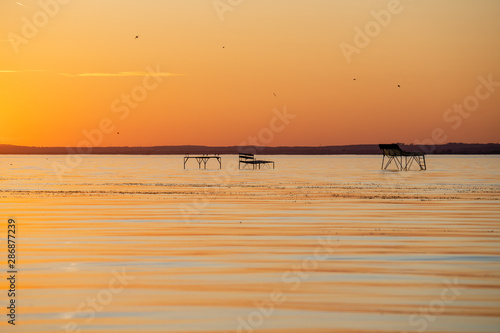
(65, 68)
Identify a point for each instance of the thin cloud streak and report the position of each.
(120, 74)
(24, 71)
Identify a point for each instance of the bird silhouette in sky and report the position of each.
(136, 36)
(354, 79)
(275, 95)
(399, 86)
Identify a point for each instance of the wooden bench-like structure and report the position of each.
(203, 159)
(249, 159)
(402, 159)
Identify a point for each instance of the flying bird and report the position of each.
(399, 86)
(354, 79)
(275, 95)
(136, 36)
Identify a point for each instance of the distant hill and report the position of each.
(369, 149)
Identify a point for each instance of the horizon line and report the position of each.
(281, 146)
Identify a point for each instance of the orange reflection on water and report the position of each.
(386, 249)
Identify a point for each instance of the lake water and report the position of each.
(320, 244)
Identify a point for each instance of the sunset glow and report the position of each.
(182, 72)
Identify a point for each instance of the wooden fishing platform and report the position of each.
(402, 159)
(203, 159)
(250, 160)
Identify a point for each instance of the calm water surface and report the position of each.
(320, 244)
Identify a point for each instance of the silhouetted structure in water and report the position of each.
(402, 159)
(249, 159)
(203, 159)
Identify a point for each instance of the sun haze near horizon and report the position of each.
(216, 72)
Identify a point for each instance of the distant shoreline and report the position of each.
(367, 149)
